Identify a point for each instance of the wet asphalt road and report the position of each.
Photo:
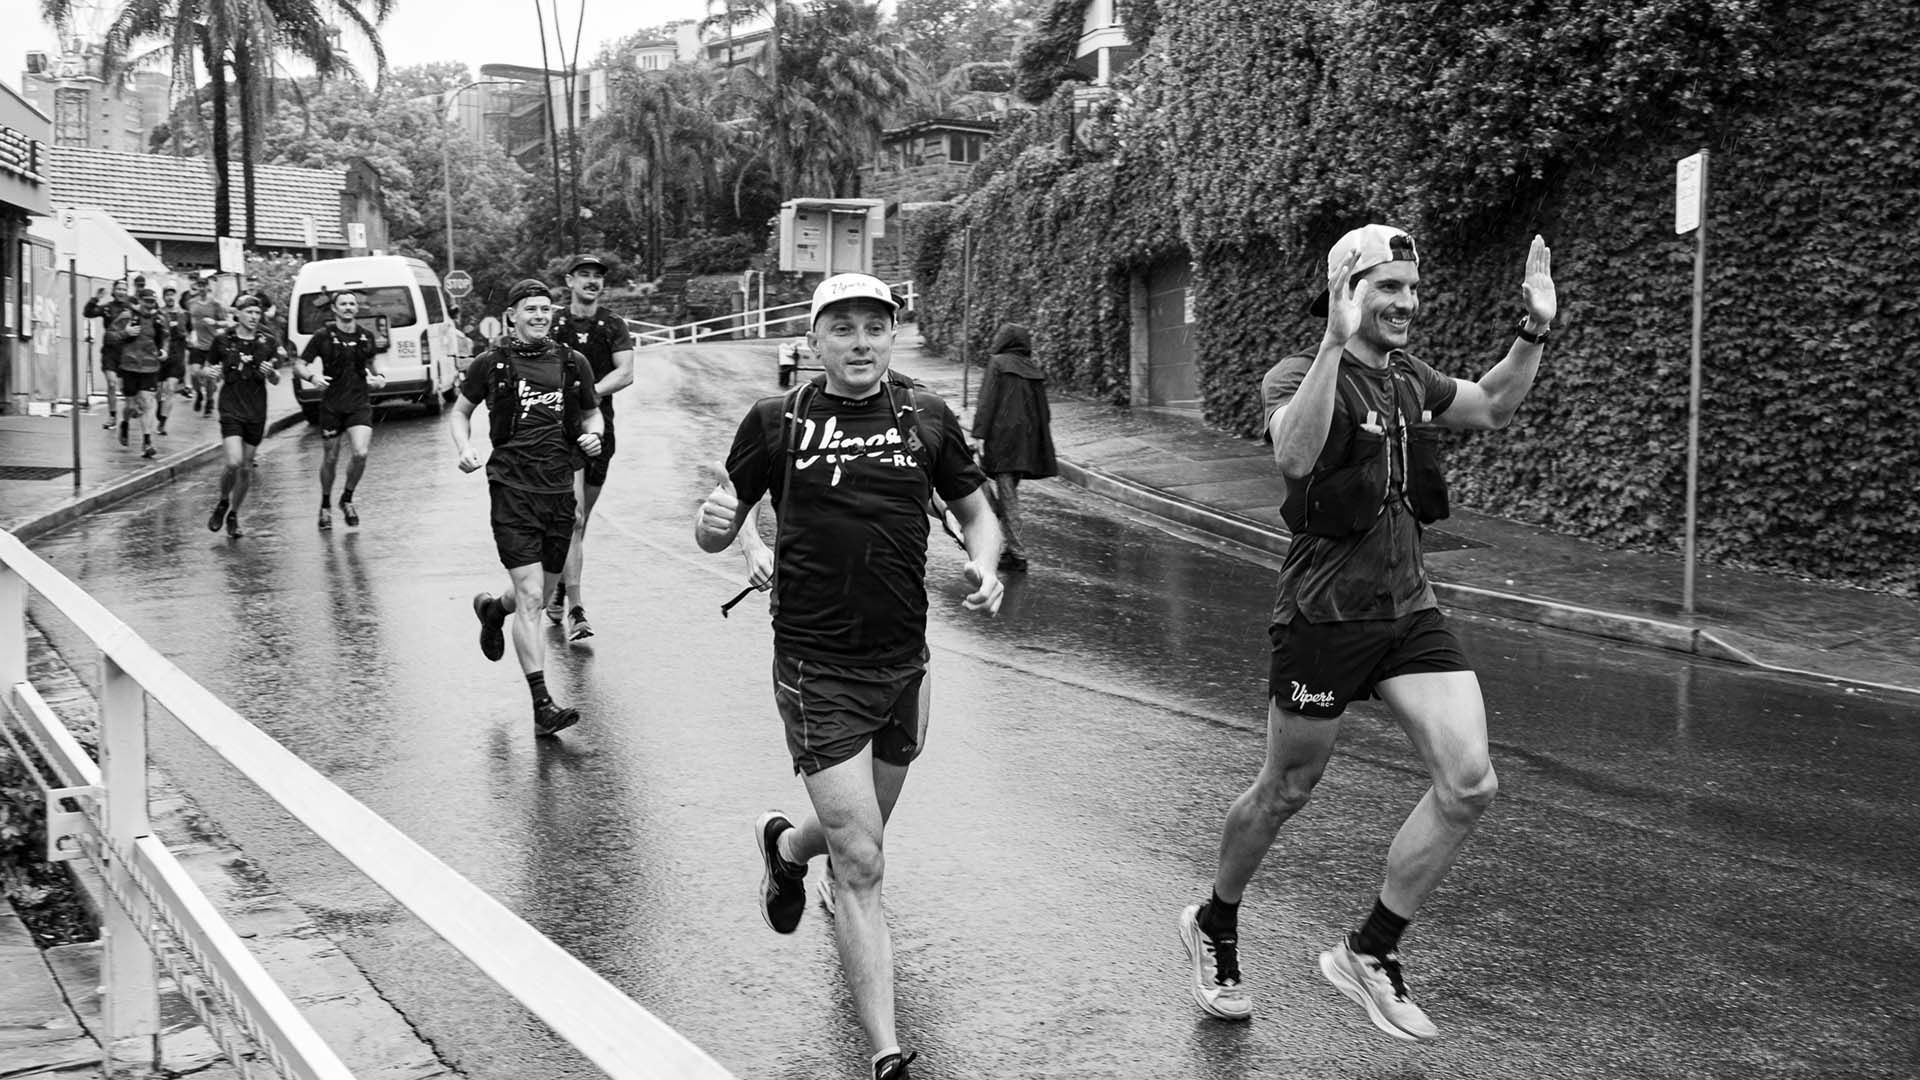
(1692, 870)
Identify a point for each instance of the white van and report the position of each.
(399, 295)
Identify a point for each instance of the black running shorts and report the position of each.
(1318, 668)
(832, 710)
(199, 357)
(250, 431)
(333, 421)
(134, 382)
(531, 526)
(596, 466)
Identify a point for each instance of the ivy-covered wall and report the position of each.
(1255, 131)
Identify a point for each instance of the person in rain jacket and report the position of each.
(1015, 429)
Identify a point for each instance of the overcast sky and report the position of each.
(421, 31)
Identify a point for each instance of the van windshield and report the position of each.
(393, 301)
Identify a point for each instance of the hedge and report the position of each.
(1253, 132)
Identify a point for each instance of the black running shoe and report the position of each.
(123, 434)
(348, 514)
(578, 628)
(783, 894)
(326, 518)
(219, 515)
(493, 641)
(894, 1067)
(148, 451)
(233, 526)
(550, 719)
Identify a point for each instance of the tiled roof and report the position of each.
(159, 195)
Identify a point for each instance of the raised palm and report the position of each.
(1536, 289)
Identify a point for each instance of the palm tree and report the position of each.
(244, 34)
(661, 131)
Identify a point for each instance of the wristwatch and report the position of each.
(1529, 336)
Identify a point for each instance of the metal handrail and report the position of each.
(759, 319)
(618, 1035)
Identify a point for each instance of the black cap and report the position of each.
(247, 300)
(582, 262)
(525, 288)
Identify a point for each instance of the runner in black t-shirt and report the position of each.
(602, 337)
(541, 409)
(1356, 617)
(347, 370)
(245, 357)
(851, 479)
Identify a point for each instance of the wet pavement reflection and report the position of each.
(1693, 869)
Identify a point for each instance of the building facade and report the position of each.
(88, 110)
(24, 131)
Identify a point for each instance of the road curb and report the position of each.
(1593, 622)
(163, 472)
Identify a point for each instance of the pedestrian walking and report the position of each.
(141, 335)
(603, 338)
(849, 462)
(173, 366)
(1015, 427)
(246, 356)
(347, 355)
(541, 412)
(1356, 617)
(106, 305)
(205, 315)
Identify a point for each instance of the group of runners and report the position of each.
(850, 463)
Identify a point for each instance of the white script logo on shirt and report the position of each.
(834, 447)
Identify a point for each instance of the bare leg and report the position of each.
(329, 460)
(1297, 751)
(1445, 716)
(362, 439)
(586, 496)
(522, 601)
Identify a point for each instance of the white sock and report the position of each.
(884, 1054)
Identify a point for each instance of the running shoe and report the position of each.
(1216, 969)
(1374, 982)
(493, 640)
(233, 526)
(219, 515)
(112, 422)
(147, 451)
(579, 629)
(123, 434)
(557, 604)
(783, 892)
(550, 719)
(825, 889)
(160, 428)
(893, 1066)
(348, 514)
(326, 518)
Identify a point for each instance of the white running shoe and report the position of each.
(1216, 970)
(1374, 982)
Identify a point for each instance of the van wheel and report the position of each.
(310, 410)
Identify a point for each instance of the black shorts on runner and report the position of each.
(250, 431)
(531, 526)
(173, 367)
(134, 382)
(1318, 668)
(333, 422)
(832, 710)
(199, 356)
(596, 467)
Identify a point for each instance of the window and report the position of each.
(963, 149)
(393, 301)
(430, 299)
(583, 97)
(70, 117)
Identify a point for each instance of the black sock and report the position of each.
(346, 496)
(326, 501)
(1380, 934)
(537, 685)
(1219, 918)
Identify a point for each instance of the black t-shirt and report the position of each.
(539, 457)
(596, 338)
(345, 356)
(851, 558)
(243, 389)
(1376, 574)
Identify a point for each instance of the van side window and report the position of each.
(436, 310)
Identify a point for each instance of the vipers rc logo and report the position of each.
(1300, 695)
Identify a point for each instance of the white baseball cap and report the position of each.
(1376, 244)
(842, 287)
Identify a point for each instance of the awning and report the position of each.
(103, 248)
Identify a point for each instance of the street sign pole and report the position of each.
(1690, 210)
(79, 395)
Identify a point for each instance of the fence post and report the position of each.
(13, 631)
(132, 1002)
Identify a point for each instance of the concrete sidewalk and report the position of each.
(1171, 466)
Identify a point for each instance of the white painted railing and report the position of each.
(791, 319)
(159, 917)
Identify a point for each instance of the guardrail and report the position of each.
(160, 917)
(754, 321)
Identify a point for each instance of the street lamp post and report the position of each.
(446, 164)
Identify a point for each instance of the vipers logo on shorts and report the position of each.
(1300, 695)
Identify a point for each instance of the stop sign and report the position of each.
(458, 284)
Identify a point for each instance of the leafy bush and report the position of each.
(703, 254)
(1476, 124)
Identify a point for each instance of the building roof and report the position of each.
(154, 195)
(968, 125)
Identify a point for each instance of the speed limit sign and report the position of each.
(458, 284)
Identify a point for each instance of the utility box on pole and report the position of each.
(830, 236)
